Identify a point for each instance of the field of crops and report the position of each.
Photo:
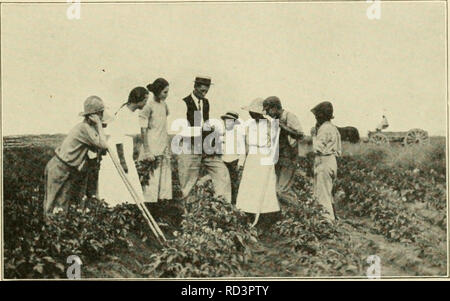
(390, 202)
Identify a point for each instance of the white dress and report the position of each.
(111, 186)
(257, 190)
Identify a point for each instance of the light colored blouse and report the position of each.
(327, 141)
(154, 117)
(123, 128)
(291, 120)
(236, 151)
(262, 140)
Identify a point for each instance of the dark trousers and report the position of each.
(234, 176)
(88, 180)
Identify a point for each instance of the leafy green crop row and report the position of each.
(213, 242)
(212, 238)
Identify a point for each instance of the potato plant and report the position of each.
(380, 200)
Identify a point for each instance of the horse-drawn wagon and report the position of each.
(411, 137)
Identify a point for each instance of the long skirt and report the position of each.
(60, 189)
(325, 169)
(257, 190)
(160, 181)
(111, 186)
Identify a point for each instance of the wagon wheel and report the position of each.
(416, 136)
(379, 139)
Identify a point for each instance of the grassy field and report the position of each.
(390, 202)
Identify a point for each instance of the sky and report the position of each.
(304, 53)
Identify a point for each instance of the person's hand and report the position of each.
(96, 119)
(284, 126)
(149, 157)
(210, 126)
(167, 155)
(268, 117)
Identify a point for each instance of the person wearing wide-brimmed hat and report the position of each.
(62, 172)
(326, 146)
(257, 190)
(290, 134)
(189, 164)
(233, 150)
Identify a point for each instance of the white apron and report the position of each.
(111, 186)
(257, 190)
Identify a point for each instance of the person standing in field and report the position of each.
(233, 155)
(290, 134)
(326, 147)
(155, 140)
(257, 190)
(63, 171)
(122, 130)
(189, 164)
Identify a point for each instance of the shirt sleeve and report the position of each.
(145, 115)
(116, 132)
(131, 126)
(323, 142)
(89, 136)
(125, 125)
(177, 123)
(294, 123)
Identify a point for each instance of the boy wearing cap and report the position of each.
(63, 171)
(326, 147)
(189, 165)
(233, 150)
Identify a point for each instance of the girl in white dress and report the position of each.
(257, 190)
(122, 130)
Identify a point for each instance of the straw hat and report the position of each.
(203, 80)
(230, 115)
(92, 104)
(256, 106)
